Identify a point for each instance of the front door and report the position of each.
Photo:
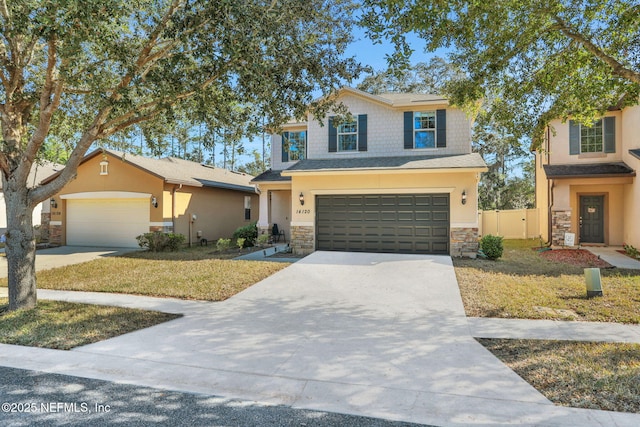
(591, 219)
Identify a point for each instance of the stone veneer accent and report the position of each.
(560, 224)
(55, 235)
(45, 218)
(302, 239)
(464, 241)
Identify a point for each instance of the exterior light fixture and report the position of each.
(154, 201)
(464, 197)
(53, 203)
(301, 198)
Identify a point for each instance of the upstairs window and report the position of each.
(348, 136)
(424, 125)
(294, 146)
(597, 138)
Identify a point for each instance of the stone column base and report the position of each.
(560, 224)
(55, 235)
(302, 239)
(464, 242)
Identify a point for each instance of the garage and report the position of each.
(107, 222)
(394, 223)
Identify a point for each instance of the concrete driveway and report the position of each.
(379, 335)
(66, 255)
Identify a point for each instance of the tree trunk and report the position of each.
(20, 249)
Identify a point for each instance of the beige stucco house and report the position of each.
(400, 177)
(586, 180)
(116, 197)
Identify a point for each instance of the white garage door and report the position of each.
(106, 222)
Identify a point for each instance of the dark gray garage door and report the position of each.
(403, 223)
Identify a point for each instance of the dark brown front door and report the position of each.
(591, 219)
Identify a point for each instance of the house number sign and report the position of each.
(303, 211)
(591, 210)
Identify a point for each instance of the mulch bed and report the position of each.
(577, 257)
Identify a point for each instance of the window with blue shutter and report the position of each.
(574, 137)
(362, 132)
(408, 130)
(597, 138)
(285, 147)
(441, 128)
(609, 134)
(333, 136)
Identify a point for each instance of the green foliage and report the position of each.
(160, 242)
(631, 251)
(249, 233)
(223, 244)
(263, 239)
(535, 61)
(240, 242)
(491, 246)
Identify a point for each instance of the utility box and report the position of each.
(594, 285)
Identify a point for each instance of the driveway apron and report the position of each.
(381, 335)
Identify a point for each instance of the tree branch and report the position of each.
(617, 67)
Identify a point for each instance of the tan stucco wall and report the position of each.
(567, 193)
(219, 212)
(631, 133)
(559, 144)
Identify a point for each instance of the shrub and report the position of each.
(240, 242)
(249, 233)
(263, 239)
(491, 246)
(223, 244)
(631, 251)
(158, 241)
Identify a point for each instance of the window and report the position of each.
(424, 125)
(104, 167)
(591, 138)
(247, 208)
(598, 138)
(348, 136)
(297, 143)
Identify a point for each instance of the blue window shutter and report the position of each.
(362, 132)
(574, 137)
(333, 137)
(285, 147)
(609, 124)
(441, 128)
(408, 130)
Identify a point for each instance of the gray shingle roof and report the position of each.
(595, 170)
(635, 153)
(462, 161)
(39, 172)
(271, 176)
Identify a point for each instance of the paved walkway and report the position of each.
(364, 334)
(613, 257)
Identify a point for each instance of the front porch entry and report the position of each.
(591, 219)
(275, 208)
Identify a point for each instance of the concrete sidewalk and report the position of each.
(366, 334)
(613, 257)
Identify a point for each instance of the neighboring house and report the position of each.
(116, 197)
(400, 178)
(586, 180)
(39, 171)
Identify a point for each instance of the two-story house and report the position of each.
(585, 180)
(400, 177)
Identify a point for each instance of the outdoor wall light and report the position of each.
(301, 198)
(464, 197)
(53, 202)
(154, 201)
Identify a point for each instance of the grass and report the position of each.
(577, 374)
(196, 274)
(63, 325)
(524, 285)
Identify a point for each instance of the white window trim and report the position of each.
(580, 126)
(435, 134)
(338, 133)
(305, 146)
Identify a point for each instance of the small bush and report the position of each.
(240, 242)
(249, 233)
(159, 242)
(491, 246)
(223, 244)
(631, 251)
(263, 239)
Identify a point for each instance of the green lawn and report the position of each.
(63, 325)
(524, 285)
